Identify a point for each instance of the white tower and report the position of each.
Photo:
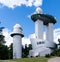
(49, 35)
(17, 41)
(38, 40)
(39, 25)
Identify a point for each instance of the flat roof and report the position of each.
(46, 18)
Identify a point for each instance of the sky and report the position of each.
(19, 11)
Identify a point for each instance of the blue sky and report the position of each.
(11, 14)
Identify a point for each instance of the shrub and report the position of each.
(48, 55)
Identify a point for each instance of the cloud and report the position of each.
(26, 40)
(37, 3)
(14, 3)
(6, 32)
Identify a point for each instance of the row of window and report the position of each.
(40, 42)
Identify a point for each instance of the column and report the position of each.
(49, 32)
(39, 29)
(49, 36)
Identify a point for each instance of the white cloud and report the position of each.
(29, 3)
(32, 36)
(6, 32)
(37, 3)
(14, 3)
(26, 40)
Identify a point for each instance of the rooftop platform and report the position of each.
(44, 17)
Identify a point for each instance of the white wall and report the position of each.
(36, 43)
(39, 29)
(49, 35)
(17, 46)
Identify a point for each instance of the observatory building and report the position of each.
(17, 41)
(41, 47)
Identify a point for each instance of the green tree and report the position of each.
(11, 51)
(29, 46)
(4, 52)
(2, 41)
(25, 51)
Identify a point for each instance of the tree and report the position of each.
(11, 51)
(4, 52)
(30, 47)
(2, 41)
(25, 51)
(59, 41)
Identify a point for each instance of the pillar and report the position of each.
(39, 29)
(49, 35)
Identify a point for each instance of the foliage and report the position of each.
(11, 51)
(56, 53)
(25, 51)
(4, 52)
(47, 55)
(2, 41)
(59, 41)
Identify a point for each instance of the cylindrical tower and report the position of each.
(38, 23)
(17, 41)
(49, 32)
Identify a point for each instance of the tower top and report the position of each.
(17, 30)
(38, 10)
(17, 26)
(46, 18)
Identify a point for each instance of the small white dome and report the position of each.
(17, 26)
(38, 10)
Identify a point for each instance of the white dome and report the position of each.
(17, 26)
(38, 10)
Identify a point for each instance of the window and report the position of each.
(40, 42)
